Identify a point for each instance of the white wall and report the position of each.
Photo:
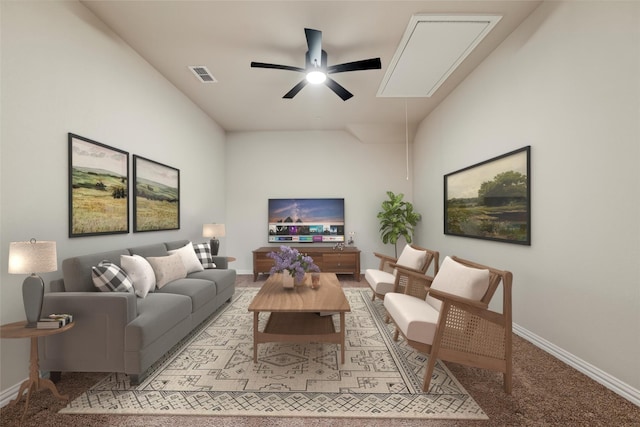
(64, 71)
(566, 82)
(263, 165)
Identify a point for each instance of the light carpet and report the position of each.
(211, 372)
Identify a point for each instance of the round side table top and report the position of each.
(18, 330)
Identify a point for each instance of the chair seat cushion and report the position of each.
(414, 317)
(380, 281)
(200, 291)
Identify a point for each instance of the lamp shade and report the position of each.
(32, 257)
(213, 230)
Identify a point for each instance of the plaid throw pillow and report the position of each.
(109, 277)
(203, 252)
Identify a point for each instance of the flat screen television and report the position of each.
(306, 220)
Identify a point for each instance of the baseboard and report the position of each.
(6, 396)
(596, 374)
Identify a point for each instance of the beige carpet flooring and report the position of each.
(546, 392)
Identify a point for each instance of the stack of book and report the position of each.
(55, 321)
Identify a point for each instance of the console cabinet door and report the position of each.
(339, 262)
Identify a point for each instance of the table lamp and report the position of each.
(211, 231)
(30, 258)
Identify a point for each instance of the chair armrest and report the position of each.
(384, 259)
(457, 300)
(406, 270)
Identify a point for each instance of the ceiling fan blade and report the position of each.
(314, 43)
(276, 66)
(365, 64)
(297, 88)
(338, 89)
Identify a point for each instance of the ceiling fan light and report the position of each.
(316, 77)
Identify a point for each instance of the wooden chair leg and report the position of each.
(373, 298)
(395, 334)
(506, 378)
(427, 375)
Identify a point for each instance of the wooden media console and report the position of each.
(338, 261)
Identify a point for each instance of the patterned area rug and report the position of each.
(212, 373)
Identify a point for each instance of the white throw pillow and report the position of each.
(140, 272)
(189, 258)
(167, 268)
(412, 258)
(455, 278)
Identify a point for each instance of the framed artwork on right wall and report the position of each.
(491, 200)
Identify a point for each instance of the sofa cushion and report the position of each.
(460, 280)
(146, 251)
(158, 313)
(140, 272)
(200, 291)
(109, 277)
(176, 244)
(203, 252)
(167, 268)
(222, 278)
(77, 271)
(189, 258)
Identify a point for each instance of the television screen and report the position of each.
(306, 220)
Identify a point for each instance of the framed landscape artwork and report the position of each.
(156, 202)
(491, 200)
(98, 188)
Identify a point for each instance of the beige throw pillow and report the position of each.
(189, 258)
(412, 258)
(460, 280)
(140, 272)
(167, 268)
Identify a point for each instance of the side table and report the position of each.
(35, 382)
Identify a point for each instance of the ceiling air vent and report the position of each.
(202, 73)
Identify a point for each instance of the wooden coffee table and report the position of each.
(294, 313)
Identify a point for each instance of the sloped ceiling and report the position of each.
(225, 36)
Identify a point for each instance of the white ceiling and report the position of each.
(225, 36)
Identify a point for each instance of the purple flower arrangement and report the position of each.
(291, 260)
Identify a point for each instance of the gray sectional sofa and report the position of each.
(119, 331)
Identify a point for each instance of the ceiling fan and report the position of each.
(317, 70)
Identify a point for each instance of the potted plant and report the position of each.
(397, 219)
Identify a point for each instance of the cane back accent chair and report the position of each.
(387, 279)
(448, 317)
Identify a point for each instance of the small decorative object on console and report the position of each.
(315, 280)
(292, 261)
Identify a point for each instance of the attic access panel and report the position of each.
(432, 47)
